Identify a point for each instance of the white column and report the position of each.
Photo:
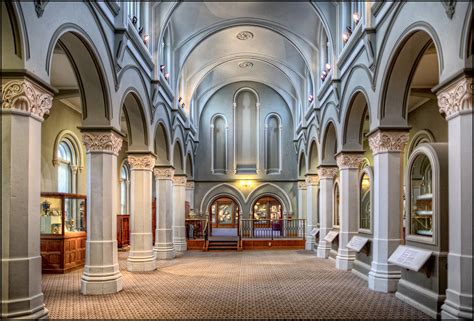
(348, 164)
(387, 148)
(190, 194)
(455, 101)
(326, 182)
(141, 257)
(302, 199)
(312, 182)
(164, 249)
(23, 106)
(101, 272)
(179, 228)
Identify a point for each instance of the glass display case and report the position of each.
(63, 231)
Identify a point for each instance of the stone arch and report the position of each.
(221, 190)
(14, 41)
(137, 125)
(312, 157)
(76, 144)
(329, 144)
(162, 145)
(302, 164)
(353, 121)
(178, 157)
(269, 189)
(189, 165)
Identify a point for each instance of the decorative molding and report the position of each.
(163, 173)
(349, 160)
(302, 185)
(141, 162)
(327, 172)
(456, 97)
(312, 180)
(380, 142)
(39, 7)
(102, 142)
(179, 180)
(246, 64)
(24, 95)
(190, 185)
(449, 6)
(244, 35)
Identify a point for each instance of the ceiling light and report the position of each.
(356, 17)
(244, 35)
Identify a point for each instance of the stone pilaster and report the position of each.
(164, 249)
(387, 147)
(190, 193)
(348, 164)
(455, 101)
(326, 183)
(23, 106)
(101, 272)
(302, 199)
(312, 185)
(179, 228)
(141, 257)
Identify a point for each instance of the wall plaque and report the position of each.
(315, 231)
(357, 243)
(331, 236)
(409, 257)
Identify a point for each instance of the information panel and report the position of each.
(315, 231)
(409, 257)
(357, 243)
(331, 236)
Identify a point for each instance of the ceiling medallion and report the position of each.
(244, 35)
(245, 64)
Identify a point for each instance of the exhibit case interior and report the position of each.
(63, 231)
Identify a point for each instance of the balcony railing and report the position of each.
(272, 229)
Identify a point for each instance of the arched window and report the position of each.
(65, 158)
(219, 144)
(125, 188)
(365, 205)
(273, 144)
(336, 208)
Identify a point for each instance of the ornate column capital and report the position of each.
(327, 172)
(100, 142)
(312, 180)
(385, 141)
(163, 172)
(24, 95)
(456, 97)
(74, 169)
(349, 160)
(190, 185)
(179, 180)
(141, 162)
(302, 185)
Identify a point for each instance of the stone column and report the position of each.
(164, 249)
(23, 107)
(455, 101)
(387, 148)
(101, 272)
(179, 228)
(302, 199)
(326, 183)
(312, 182)
(348, 164)
(141, 257)
(190, 193)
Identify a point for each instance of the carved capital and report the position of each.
(141, 162)
(179, 180)
(190, 185)
(302, 185)
(349, 160)
(456, 98)
(380, 142)
(24, 95)
(109, 142)
(312, 180)
(163, 173)
(74, 169)
(327, 172)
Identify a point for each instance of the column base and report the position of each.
(323, 249)
(381, 281)
(101, 284)
(39, 312)
(180, 247)
(344, 260)
(452, 310)
(164, 253)
(309, 245)
(141, 264)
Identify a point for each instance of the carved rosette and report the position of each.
(349, 161)
(312, 180)
(388, 141)
(190, 185)
(163, 173)
(179, 180)
(102, 142)
(456, 97)
(302, 185)
(141, 162)
(327, 172)
(24, 95)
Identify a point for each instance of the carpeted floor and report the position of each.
(249, 284)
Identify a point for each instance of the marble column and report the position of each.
(101, 273)
(302, 199)
(312, 182)
(141, 256)
(190, 193)
(179, 228)
(164, 249)
(387, 149)
(23, 107)
(455, 101)
(348, 164)
(326, 183)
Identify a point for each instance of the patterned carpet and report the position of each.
(245, 285)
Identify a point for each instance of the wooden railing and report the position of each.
(272, 229)
(196, 229)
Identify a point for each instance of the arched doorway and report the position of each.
(224, 214)
(267, 208)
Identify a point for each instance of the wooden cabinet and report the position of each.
(123, 230)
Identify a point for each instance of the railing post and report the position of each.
(304, 229)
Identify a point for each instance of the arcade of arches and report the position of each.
(338, 132)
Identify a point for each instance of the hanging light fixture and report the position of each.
(356, 17)
(162, 68)
(167, 75)
(310, 98)
(328, 67)
(146, 39)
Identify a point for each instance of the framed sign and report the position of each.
(315, 231)
(409, 257)
(331, 236)
(357, 243)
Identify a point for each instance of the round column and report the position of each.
(326, 182)
(179, 228)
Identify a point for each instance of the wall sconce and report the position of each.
(134, 20)
(246, 183)
(356, 17)
(328, 67)
(346, 35)
(146, 39)
(140, 31)
(167, 75)
(182, 105)
(162, 68)
(310, 98)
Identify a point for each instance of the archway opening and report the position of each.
(224, 215)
